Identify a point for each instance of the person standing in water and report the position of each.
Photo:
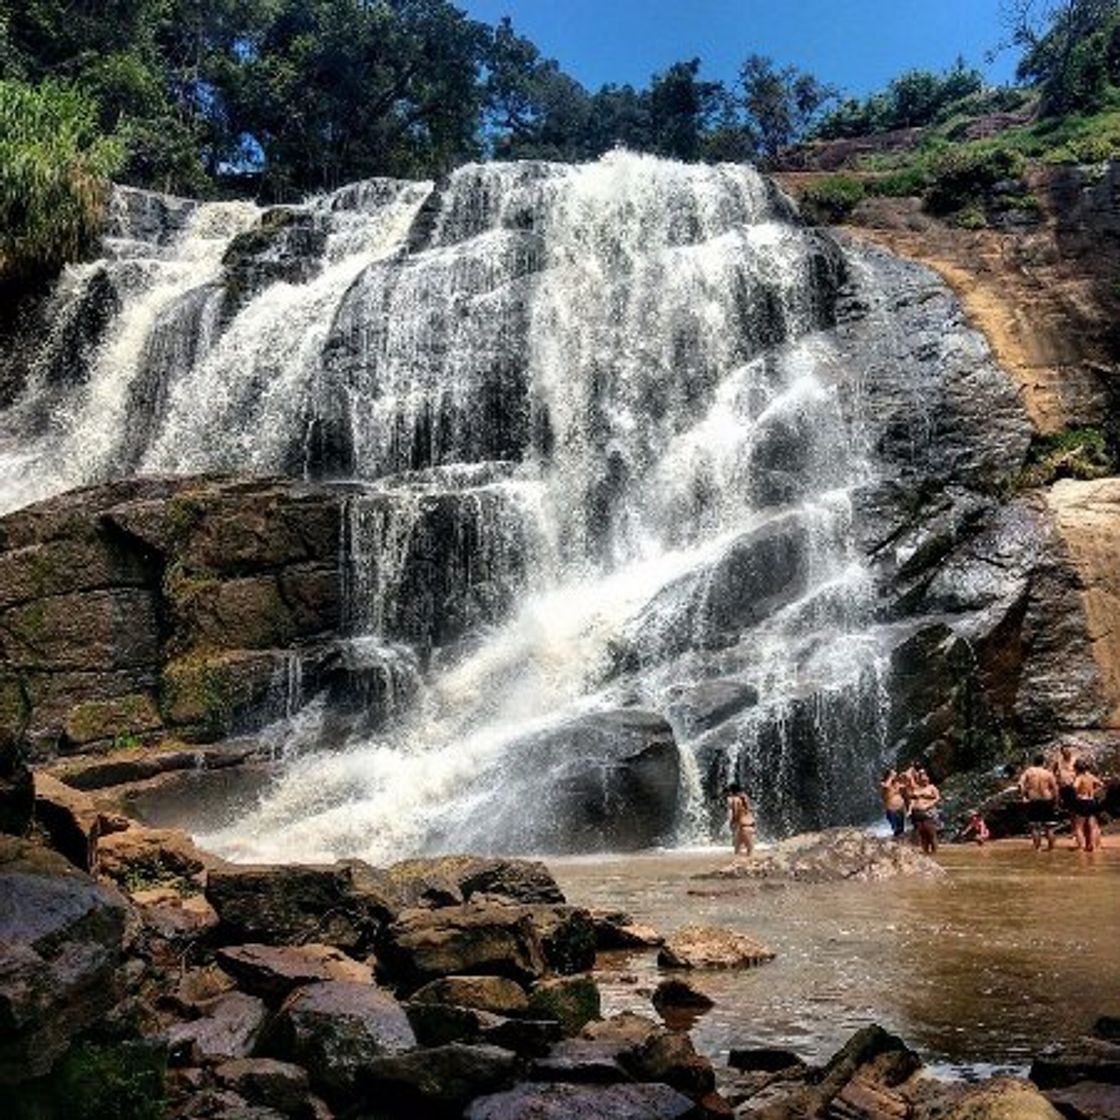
(894, 805)
(1039, 789)
(1086, 806)
(1063, 765)
(924, 796)
(742, 819)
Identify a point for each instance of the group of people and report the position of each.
(1066, 784)
(911, 794)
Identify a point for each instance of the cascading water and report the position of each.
(600, 464)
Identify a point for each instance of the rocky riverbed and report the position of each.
(163, 981)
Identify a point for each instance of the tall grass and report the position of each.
(54, 169)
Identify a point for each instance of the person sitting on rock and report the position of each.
(894, 805)
(1086, 805)
(924, 796)
(742, 820)
(1039, 789)
(976, 830)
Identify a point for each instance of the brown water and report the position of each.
(1013, 951)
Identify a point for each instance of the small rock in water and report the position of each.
(711, 947)
(679, 993)
(835, 855)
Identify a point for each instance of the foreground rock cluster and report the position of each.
(173, 984)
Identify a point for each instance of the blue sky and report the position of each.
(857, 45)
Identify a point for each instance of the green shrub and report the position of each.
(972, 217)
(960, 176)
(905, 183)
(1083, 453)
(99, 1081)
(54, 168)
(833, 198)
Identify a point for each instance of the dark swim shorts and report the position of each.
(1041, 811)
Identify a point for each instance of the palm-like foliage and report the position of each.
(54, 169)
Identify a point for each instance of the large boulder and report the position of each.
(335, 1030)
(61, 942)
(561, 1101)
(1004, 1099)
(472, 939)
(607, 781)
(496, 994)
(440, 880)
(272, 971)
(336, 904)
(227, 1028)
(439, 1081)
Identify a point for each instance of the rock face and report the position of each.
(61, 936)
(149, 607)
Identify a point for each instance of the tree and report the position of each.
(533, 109)
(1070, 50)
(780, 105)
(681, 108)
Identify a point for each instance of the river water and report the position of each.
(1013, 951)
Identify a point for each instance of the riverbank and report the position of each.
(182, 986)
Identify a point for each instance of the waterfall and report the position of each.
(599, 455)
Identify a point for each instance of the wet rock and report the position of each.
(70, 820)
(335, 1029)
(573, 1001)
(1086, 1100)
(264, 1081)
(223, 1104)
(17, 788)
(580, 1062)
(764, 1059)
(609, 781)
(674, 993)
(144, 607)
(62, 935)
(1004, 1099)
(437, 1024)
(139, 857)
(835, 855)
(227, 1028)
(568, 937)
(615, 929)
(1108, 1028)
(490, 940)
(441, 1080)
(710, 947)
(446, 880)
(583, 1102)
(879, 1056)
(496, 994)
(279, 904)
(271, 972)
(1089, 1060)
(174, 916)
(670, 1057)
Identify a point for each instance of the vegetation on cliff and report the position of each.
(54, 165)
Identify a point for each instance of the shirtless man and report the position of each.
(894, 806)
(924, 796)
(1039, 789)
(1063, 764)
(1086, 806)
(742, 820)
